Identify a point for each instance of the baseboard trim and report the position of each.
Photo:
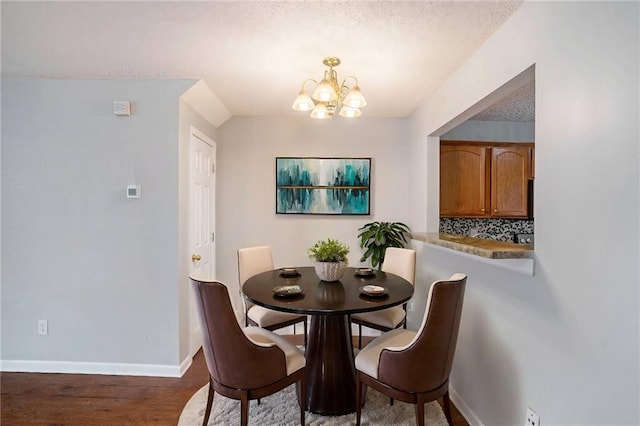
(116, 369)
(185, 364)
(464, 409)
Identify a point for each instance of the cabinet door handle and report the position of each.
(495, 211)
(195, 257)
(482, 210)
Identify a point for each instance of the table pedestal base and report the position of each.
(331, 372)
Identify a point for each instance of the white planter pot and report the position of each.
(330, 271)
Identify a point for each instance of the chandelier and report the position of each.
(328, 96)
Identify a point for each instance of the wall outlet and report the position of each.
(43, 327)
(533, 419)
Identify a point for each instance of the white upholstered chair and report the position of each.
(399, 261)
(411, 366)
(252, 261)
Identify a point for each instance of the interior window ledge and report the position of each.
(514, 257)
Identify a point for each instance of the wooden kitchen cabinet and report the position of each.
(485, 179)
(463, 180)
(509, 181)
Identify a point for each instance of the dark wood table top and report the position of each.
(325, 298)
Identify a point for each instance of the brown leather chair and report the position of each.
(244, 363)
(252, 261)
(414, 366)
(399, 261)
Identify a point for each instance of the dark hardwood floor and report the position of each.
(83, 399)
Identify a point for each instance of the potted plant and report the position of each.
(375, 237)
(330, 259)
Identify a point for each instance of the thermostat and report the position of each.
(133, 191)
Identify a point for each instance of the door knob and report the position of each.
(195, 257)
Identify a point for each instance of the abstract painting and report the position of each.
(335, 186)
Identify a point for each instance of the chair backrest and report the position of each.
(400, 261)
(232, 359)
(252, 261)
(425, 363)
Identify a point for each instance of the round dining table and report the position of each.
(331, 386)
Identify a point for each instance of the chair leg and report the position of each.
(447, 408)
(420, 411)
(207, 410)
(351, 341)
(358, 398)
(244, 409)
(359, 336)
(305, 333)
(302, 398)
(390, 401)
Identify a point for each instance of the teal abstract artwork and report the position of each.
(338, 186)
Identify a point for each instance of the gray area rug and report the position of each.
(281, 408)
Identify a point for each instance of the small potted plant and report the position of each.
(375, 237)
(330, 259)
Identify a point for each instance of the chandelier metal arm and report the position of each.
(306, 81)
(344, 82)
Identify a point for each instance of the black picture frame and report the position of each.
(323, 185)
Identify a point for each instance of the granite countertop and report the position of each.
(477, 246)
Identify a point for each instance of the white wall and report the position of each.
(247, 148)
(564, 342)
(100, 268)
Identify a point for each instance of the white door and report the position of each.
(202, 198)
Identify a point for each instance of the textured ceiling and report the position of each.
(254, 55)
(518, 106)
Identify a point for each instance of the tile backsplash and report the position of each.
(499, 229)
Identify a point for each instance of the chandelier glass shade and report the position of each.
(328, 96)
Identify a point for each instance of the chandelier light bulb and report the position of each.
(303, 102)
(324, 92)
(355, 99)
(350, 112)
(320, 112)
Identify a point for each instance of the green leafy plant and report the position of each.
(375, 237)
(329, 250)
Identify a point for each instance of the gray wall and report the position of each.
(566, 341)
(100, 268)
